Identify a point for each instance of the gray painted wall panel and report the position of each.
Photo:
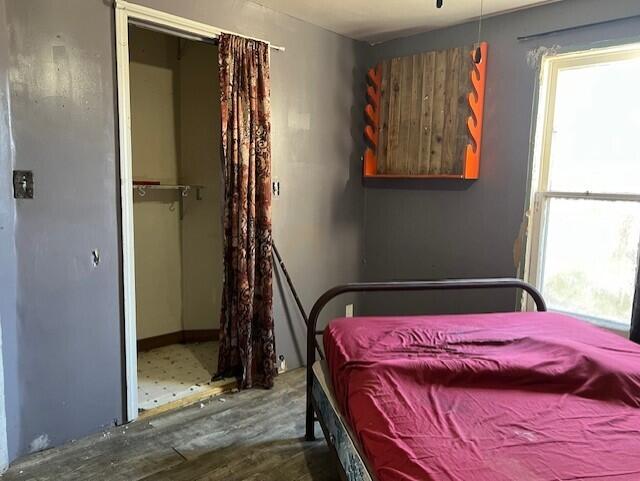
(69, 337)
(9, 399)
(437, 229)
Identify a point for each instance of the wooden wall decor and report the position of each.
(424, 115)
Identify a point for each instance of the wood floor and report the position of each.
(254, 435)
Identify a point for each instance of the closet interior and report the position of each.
(175, 123)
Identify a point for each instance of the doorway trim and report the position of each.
(125, 14)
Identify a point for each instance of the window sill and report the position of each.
(615, 327)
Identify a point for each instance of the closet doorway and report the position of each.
(171, 193)
(177, 213)
(172, 199)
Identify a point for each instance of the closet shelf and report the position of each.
(184, 189)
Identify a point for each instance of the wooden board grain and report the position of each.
(448, 164)
(415, 114)
(423, 113)
(384, 121)
(393, 114)
(437, 116)
(406, 80)
(428, 92)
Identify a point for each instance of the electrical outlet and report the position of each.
(282, 364)
(348, 312)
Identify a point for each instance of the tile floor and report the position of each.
(173, 372)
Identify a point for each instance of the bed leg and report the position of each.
(311, 359)
(310, 434)
(310, 423)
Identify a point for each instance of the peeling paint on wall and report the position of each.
(39, 444)
(535, 56)
(519, 243)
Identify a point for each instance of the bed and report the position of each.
(503, 396)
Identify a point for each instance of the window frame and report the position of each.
(540, 194)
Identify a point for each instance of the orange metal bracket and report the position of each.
(372, 119)
(475, 121)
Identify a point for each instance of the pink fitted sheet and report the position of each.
(509, 396)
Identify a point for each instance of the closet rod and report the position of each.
(182, 27)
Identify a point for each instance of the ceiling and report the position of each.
(379, 20)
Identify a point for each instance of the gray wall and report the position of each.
(64, 124)
(8, 345)
(437, 229)
(62, 110)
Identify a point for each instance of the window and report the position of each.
(585, 229)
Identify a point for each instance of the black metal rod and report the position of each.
(303, 313)
(575, 27)
(452, 284)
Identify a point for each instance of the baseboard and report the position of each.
(160, 341)
(201, 335)
(179, 337)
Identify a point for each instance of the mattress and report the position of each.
(496, 397)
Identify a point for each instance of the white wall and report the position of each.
(202, 262)
(175, 110)
(155, 146)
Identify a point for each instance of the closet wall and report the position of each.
(175, 140)
(154, 117)
(202, 263)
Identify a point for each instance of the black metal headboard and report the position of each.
(453, 284)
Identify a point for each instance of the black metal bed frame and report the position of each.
(453, 284)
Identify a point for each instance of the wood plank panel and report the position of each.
(402, 162)
(384, 122)
(423, 113)
(448, 165)
(428, 92)
(437, 116)
(415, 116)
(394, 116)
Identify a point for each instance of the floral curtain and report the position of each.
(247, 345)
